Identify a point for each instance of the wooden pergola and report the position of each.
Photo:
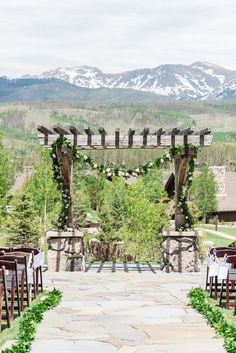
(160, 139)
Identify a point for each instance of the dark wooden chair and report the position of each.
(22, 272)
(36, 265)
(211, 253)
(212, 282)
(228, 291)
(11, 289)
(5, 249)
(4, 306)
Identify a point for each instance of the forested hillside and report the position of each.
(19, 122)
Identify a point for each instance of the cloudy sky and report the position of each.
(114, 35)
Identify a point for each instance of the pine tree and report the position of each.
(23, 223)
(81, 207)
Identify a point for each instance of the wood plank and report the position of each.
(82, 140)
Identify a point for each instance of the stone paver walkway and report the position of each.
(125, 312)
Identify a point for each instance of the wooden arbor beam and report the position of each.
(75, 132)
(45, 132)
(158, 139)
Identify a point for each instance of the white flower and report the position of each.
(109, 174)
(120, 173)
(168, 156)
(95, 166)
(150, 164)
(134, 174)
(162, 160)
(108, 170)
(137, 170)
(190, 178)
(54, 156)
(85, 158)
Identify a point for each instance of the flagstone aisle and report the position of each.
(124, 312)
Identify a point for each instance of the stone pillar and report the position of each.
(65, 251)
(180, 251)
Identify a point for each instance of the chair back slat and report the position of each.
(27, 250)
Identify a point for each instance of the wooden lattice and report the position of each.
(103, 140)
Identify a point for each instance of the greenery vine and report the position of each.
(121, 171)
(198, 300)
(29, 321)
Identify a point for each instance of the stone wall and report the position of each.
(180, 252)
(65, 251)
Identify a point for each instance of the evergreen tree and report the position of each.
(81, 207)
(203, 193)
(23, 223)
(6, 178)
(45, 196)
(106, 220)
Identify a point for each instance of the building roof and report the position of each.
(227, 201)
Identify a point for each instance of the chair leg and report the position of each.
(216, 287)
(206, 285)
(17, 292)
(1, 300)
(221, 292)
(41, 277)
(6, 301)
(227, 293)
(34, 285)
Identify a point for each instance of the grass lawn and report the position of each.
(228, 313)
(9, 334)
(224, 229)
(218, 241)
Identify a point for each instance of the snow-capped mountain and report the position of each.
(227, 91)
(196, 81)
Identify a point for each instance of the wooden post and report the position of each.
(65, 158)
(181, 164)
(103, 134)
(130, 138)
(89, 133)
(145, 133)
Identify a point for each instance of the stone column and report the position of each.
(180, 251)
(65, 251)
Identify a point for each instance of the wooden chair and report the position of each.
(36, 265)
(4, 306)
(218, 253)
(211, 253)
(230, 282)
(5, 249)
(11, 289)
(22, 271)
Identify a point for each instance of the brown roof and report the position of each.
(227, 202)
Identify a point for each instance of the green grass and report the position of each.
(227, 313)
(10, 334)
(218, 241)
(224, 229)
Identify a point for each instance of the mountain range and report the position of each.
(198, 81)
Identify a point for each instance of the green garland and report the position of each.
(183, 199)
(29, 321)
(198, 300)
(110, 171)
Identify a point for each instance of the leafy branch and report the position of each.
(198, 300)
(30, 320)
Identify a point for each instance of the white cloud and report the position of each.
(114, 35)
